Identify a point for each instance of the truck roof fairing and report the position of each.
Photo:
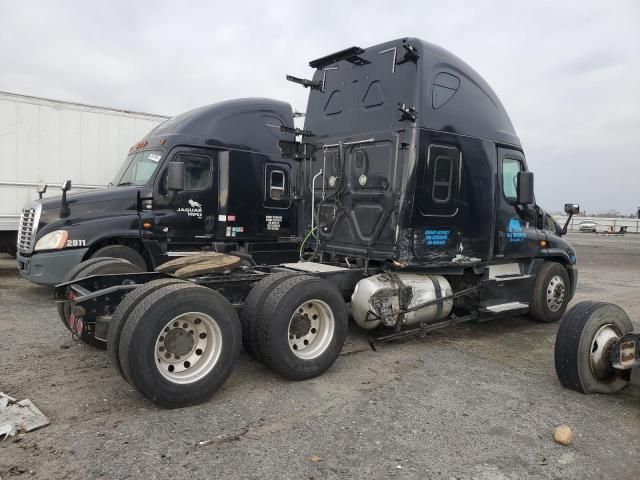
(247, 123)
(447, 94)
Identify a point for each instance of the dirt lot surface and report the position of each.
(479, 402)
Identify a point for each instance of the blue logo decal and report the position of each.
(436, 238)
(514, 231)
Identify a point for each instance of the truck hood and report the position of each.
(93, 204)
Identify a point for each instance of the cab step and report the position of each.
(505, 307)
(505, 278)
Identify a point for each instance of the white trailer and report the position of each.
(50, 141)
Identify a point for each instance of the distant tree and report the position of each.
(608, 213)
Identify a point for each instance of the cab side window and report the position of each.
(197, 171)
(549, 224)
(509, 174)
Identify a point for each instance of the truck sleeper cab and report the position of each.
(418, 168)
(416, 206)
(235, 196)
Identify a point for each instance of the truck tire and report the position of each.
(124, 309)
(254, 307)
(550, 294)
(302, 327)
(76, 272)
(94, 266)
(180, 344)
(123, 252)
(12, 249)
(583, 343)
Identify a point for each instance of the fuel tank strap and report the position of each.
(438, 291)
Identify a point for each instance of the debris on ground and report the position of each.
(315, 458)
(563, 435)
(18, 416)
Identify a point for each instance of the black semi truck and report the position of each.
(416, 210)
(235, 195)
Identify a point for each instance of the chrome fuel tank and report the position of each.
(375, 300)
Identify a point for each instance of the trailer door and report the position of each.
(516, 233)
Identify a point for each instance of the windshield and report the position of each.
(138, 168)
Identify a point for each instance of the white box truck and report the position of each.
(44, 141)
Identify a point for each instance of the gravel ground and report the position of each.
(479, 401)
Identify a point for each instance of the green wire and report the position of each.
(305, 240)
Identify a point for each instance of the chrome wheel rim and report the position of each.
(188, 347)
(601, 345)
(555, 293)
(311, 329)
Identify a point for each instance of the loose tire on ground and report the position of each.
(582, 347)
(253, 308)
(302, 327)
(550, 294)
(122, 311)
(94, 266)
(154, 344)
(121, 251)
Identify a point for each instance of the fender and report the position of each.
(558, 253)
(563, 258)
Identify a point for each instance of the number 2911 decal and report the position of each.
(76, 243)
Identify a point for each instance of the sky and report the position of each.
(567, 72)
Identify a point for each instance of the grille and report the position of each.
(28, 227)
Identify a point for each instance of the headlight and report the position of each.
(52, 241)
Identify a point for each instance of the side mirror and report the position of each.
(524, 189)
(42, 189)
(65, 211)
(571, 208)
(175, 176)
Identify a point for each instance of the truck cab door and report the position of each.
(516, 235)
(187, 217)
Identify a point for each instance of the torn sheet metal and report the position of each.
(18, 416)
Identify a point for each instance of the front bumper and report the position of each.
(49, 268)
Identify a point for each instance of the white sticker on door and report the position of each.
(273, 222)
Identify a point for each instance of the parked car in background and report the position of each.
(588, 226)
